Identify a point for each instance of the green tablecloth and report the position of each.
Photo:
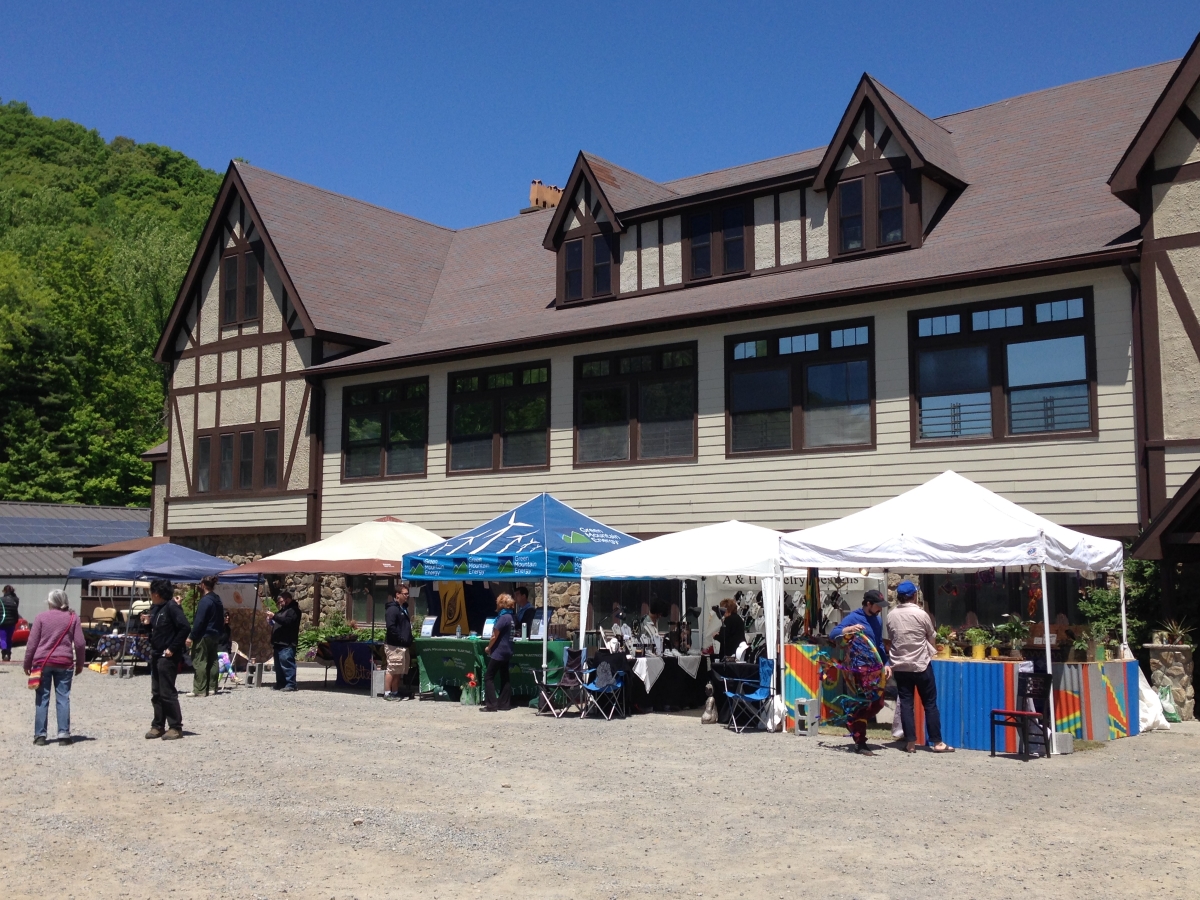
(445, 661)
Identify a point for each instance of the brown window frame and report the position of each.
(587, 233)
(869, 173)
(631, 381)
(413, 394)
(996, 341)
(240, 251)
(797, 383)
(498, 395)
(214, 435)
(716, 245)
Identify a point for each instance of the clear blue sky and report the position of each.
(447, 110)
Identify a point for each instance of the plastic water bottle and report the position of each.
(458, 631)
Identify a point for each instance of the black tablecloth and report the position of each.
(730, 669)
(673, 689)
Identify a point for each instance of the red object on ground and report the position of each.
(20, 633)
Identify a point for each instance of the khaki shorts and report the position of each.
(399, 659)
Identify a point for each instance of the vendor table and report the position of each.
(114, 646)
(658, 683)
(1092, 701)
(352, 660)
(445, 662)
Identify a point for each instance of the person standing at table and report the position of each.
(285, 634)
(913, 646)
(10, 612)
(397, 643)
(499, 653)
(168, 637)
(206, 628)
(733, 628)
(525, 613)
(56, 647)
(867, 621)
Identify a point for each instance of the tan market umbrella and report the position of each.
(369, 548)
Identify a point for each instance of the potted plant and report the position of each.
(944, 637)
(978, 639)
(1081, 645)
(1177, 633)
(1015, 631)
(1098, 646)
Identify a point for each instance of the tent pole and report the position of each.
(128, 616)
(1125, 654)
(546, 623)
(779, 623)
(585, 603)
(253, 619)
(1049, 660)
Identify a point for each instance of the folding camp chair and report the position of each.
(1030, 687)
(606, 693)
(558, 696)
(752, 704)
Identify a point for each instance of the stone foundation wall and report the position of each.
(1171, 666)
(564, 603)
(330, 589)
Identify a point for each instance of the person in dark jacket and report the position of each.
(206, 628)
(499, 653)
(868, 621)
(525, 614)
(168, 638)
(733, 628)
(10, 612)
(397, 644)
(285, 632)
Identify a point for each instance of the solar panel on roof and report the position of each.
(69, 532)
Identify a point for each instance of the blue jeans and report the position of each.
(285, 666)
(62, 701)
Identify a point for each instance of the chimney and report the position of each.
(542, 196)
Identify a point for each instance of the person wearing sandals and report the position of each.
(56, 648)
(912, 650)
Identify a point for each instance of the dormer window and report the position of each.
(601, 266)
(871, 211)
(733, 238)
(701, 244)
(850, 214)
(891, 209)
(574, 270)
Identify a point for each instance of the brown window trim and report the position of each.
(797, 362)
(869, 172)
(259, 430)
(716, 246)
(632, 380)
(996, 339)
(499, 394)
(586, 232)
(240, 249)
(384, 407)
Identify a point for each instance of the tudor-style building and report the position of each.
(1010, 292)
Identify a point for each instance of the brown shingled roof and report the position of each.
(1036, 166)
(931, 138)
(626, 190)
(360, 269)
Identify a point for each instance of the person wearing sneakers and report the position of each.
(206, 629)
(168, 636)
(55, 648)
(397, 644)
(285, 634)
(913, 647)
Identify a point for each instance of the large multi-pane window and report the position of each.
(245, 459)
(871, 211)
(717, 242)
(802, 388)
(636, 406)
(386, 426)
(500, 418)
(1010, 368)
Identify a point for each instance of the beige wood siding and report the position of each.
(1181, 462)
(1073, 481)
(214, 515)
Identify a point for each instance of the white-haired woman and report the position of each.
(56, 647)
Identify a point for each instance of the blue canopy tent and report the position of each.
(542, 538)
(170, 561)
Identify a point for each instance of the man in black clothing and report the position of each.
(206, 628)
(397, 643)
(525, 614)
(168, 634)
(285, 632)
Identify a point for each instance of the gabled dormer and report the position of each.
(889, 172)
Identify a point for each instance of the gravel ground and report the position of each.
(262, 797)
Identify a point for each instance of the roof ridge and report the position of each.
(1046, 90)
(315, 187)
(608, 162)
(879, 84)
(753, 162)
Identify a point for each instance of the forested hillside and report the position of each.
(94, 241)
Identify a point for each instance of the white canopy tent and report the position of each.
(727, 548)
(376, 547)
(951, 524)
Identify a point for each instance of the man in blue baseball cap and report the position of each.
(913, 645)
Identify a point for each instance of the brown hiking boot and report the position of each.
(154, 732)
(173, 734)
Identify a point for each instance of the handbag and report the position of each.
(35, 673)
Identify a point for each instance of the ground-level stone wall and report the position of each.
(1171, 666)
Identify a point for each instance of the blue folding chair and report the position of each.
(605, 693)
(752, 704)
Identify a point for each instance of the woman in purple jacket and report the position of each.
(56, 646)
